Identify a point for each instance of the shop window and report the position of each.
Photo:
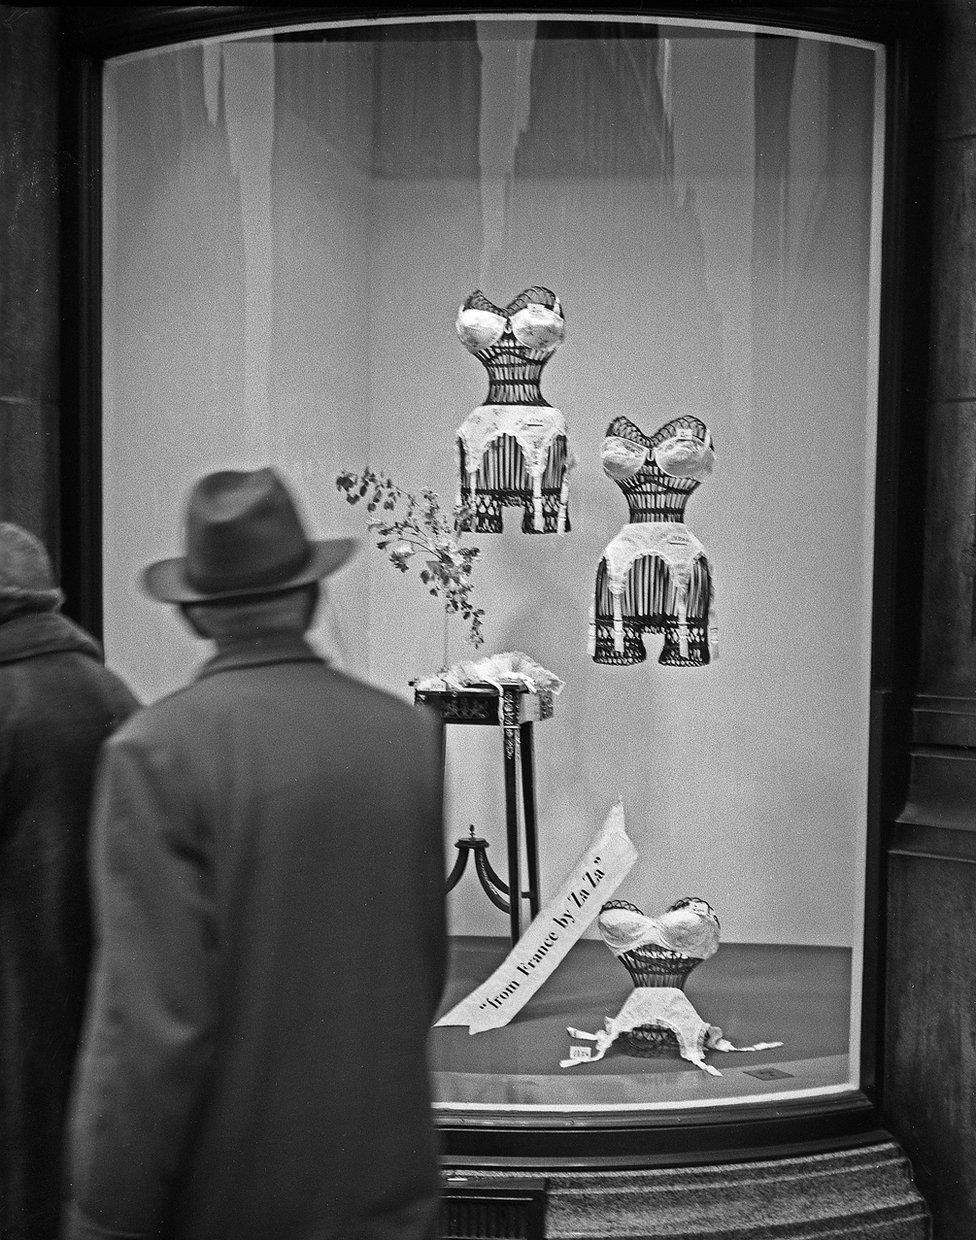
(291, 223)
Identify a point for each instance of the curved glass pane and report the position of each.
(291, 224)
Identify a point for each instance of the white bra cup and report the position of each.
(479, 329)
(622, 928)
(539, 327)
(690, 932)
(621, 458)
(684, 456)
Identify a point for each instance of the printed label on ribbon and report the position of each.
(597, 875)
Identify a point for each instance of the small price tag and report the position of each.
(577, 1053)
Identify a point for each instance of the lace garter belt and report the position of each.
(534, 428)
(672, 542)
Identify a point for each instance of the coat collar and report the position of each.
(260, 651)
(30, 634)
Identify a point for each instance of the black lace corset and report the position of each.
(651, 494)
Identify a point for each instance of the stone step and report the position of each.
(863, 1192)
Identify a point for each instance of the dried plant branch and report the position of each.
(411, 524)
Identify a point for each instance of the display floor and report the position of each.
(798, 995)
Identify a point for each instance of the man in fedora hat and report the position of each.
(268, 856)
(58, 703)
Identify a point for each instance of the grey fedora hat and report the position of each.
(244, 537)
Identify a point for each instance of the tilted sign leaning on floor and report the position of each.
(596, 876)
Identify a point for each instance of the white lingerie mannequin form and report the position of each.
(659, 953)
(655, 576)
(512, 450)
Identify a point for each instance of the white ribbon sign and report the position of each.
(596, 876)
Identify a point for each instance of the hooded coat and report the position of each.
(58, 703)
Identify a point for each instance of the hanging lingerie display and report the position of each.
(512, 451)
(654, 576)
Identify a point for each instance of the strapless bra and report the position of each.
(682, 455)
(534, 319)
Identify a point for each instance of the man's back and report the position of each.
(57, 705)
(282, 824)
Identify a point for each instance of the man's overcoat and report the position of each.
(57, 705)
(269, 866)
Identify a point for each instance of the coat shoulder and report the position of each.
(382, 705)
(199, 704)
(65, 686)
(167, 717)
(113, 688)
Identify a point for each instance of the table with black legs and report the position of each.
(516, 713)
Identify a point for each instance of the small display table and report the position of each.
(516, 712)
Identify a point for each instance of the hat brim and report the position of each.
(166, 580)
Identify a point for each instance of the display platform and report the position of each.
(799, 995)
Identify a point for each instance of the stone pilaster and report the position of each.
(930, 1029)
(29, 269)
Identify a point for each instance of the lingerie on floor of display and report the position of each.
(513, 451)
(654, 576)
(659, 953)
